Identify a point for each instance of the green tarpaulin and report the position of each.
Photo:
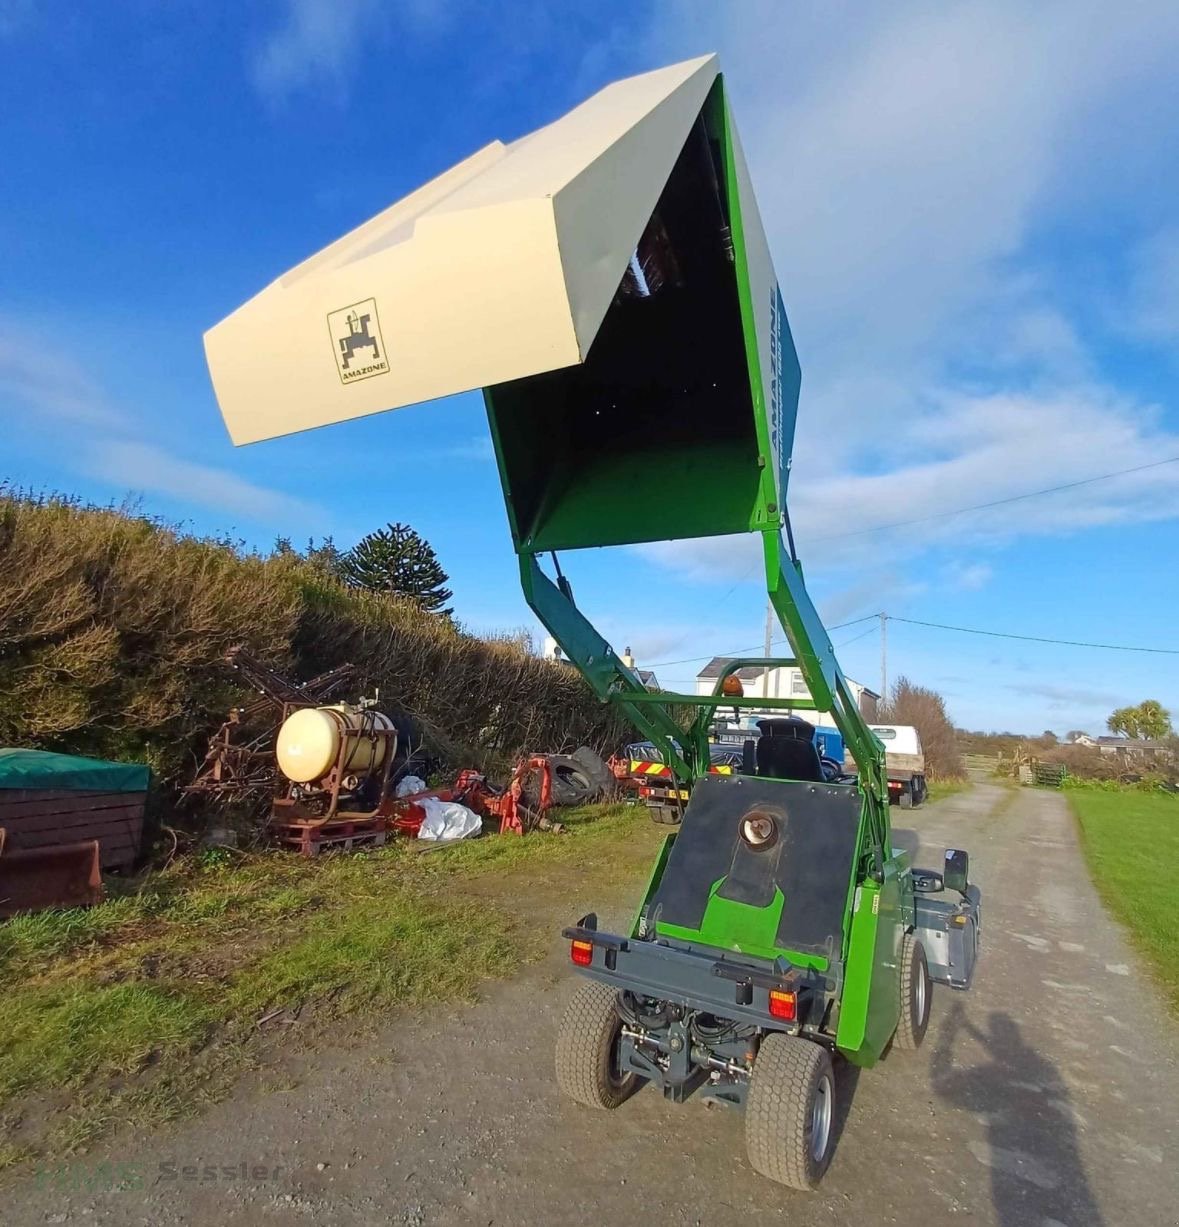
(40, 769)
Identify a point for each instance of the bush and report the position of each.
(113, 630)
(925, 710)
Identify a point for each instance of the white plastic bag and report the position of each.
(410, 785)
(448, 820)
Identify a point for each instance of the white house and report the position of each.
(784, 682)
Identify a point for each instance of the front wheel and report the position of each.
(916, 992)
(588, 1068)
(790, 1111)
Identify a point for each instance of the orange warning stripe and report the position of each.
(642, 767)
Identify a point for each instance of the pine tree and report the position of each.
(396, 559)
(326, 555)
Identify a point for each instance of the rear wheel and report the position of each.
(790, 1111)
(916, 994)
(587, 1050)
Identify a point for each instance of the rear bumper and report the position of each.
(699, 980)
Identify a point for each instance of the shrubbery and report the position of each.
(113, 628)
(925, 710)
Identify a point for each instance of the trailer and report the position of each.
(608, 269)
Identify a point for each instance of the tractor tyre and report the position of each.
(916, 996)
(790, 1111)
(571, 784)
(587, 1049)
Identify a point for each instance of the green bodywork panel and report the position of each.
(870, 1005)
(731, 925)
(670, 428)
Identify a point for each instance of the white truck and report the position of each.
(904, 763)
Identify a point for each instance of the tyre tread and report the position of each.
(777, 1110)
(584, 1044)
(909, 1036)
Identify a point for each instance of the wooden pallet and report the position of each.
(310, 838)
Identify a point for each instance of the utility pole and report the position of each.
(765, 681)
(884, 658)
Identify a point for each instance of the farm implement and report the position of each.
(607, 270)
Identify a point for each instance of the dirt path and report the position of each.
(1046, 1096)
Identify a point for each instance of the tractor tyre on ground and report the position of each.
(916, 996)
(587, 1049)
(571, 784)
(790, 1111)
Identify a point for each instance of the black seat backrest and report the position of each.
(786, 750)
(785, 758)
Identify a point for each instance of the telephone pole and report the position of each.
(884, 658)
(765, 682)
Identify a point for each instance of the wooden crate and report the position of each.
(45, 817)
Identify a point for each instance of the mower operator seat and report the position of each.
(786, 750)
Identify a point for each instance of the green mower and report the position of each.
(607, 282)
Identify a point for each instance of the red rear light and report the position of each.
(782, 1005)
(582, 953)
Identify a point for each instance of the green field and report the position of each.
(1131, 841)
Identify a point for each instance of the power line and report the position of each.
(687, 660)
(999, 502)
(1071, 643)
(856, 638)
(941, 626)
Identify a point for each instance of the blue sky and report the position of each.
(974, 211)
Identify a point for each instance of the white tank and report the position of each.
(309, 742)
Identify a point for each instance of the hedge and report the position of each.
(114, 626)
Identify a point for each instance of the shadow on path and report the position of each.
(1037, 1175)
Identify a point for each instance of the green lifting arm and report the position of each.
(685, 749)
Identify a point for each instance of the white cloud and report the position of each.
(37, 378)
(968, 577)
(958, 451)
(321, 42)
(316, 44)
(142, 467)
(478, 447)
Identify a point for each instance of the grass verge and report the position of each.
(154, 1002)
(940, 789)
(1131, 841)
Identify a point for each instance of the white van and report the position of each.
(904, 763)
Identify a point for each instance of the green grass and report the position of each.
(150, 1004)
(1131, 841)
(940, 789)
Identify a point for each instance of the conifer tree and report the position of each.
(396, 559)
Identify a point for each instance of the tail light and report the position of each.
(782, 1005)
(582, 953)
